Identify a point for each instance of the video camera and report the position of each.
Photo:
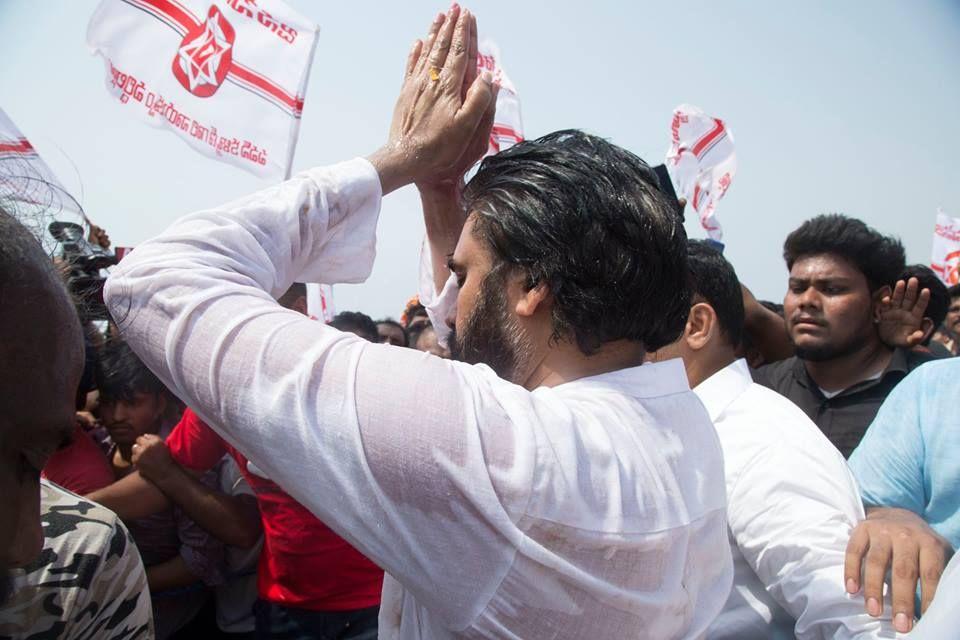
(86, 262)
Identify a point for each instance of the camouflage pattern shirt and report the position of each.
(88, 581)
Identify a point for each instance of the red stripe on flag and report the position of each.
(706, 140)
(696, 196)
(174, 11)
(506, 132)
(242, 73)
(19, 146)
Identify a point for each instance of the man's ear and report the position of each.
(877, 300)
(532, 299)
(701, 326)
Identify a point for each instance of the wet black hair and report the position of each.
(588, 219)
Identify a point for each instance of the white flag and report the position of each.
(701, 162)
(32, 192)
(507, 124)
(226, 76)
(320, 302)
(946, 249)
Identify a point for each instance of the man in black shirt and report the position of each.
(841, 272)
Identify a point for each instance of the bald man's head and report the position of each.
(41, 348)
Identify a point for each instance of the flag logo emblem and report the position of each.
(205, 55)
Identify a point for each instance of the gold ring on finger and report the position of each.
(434, 74)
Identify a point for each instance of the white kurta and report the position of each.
(591, 510)
(792, 504)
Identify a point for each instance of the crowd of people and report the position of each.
(586, 425)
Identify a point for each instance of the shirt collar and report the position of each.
(650, 380)
(898, 363)
(722, 388)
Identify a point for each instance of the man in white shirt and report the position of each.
(791, 501)
(577, 494)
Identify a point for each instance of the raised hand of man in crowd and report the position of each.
(98, 236)
(898, 540)
(901, 321)
(87, 420)
(442, 106)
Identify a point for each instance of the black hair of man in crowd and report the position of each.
(607, 244)
(357, 323)
(939, 297)
(713, 279)
(121, 375)
(392, 332)
(881, 259)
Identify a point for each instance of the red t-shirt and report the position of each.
(303, 563)
(80, 467)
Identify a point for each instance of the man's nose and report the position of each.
(809, 298)
(120, 412)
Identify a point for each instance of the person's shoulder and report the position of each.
(79, 526)
(59, 505)
(775, 374)
(89, 566)
(769, 442)
(917, 358)
(82, 539)
(769, 420)
(190, 422)
(936, 378)
(929, 363)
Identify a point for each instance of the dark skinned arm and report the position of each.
(132, 497)
(443, 215)
(234, 520)
(766, 329)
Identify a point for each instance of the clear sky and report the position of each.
(835, 106)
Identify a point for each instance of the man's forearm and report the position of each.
(443, 218)
(131, 498)
(231, 519)
(766, 329)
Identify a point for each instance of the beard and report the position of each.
(828, 351)
(491, 336)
